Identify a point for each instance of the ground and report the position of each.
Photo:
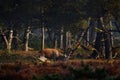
(26, 66)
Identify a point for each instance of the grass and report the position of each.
(21, 65)
(21, 56)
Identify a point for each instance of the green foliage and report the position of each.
(55, 12)
(83, 24)
(101, 7)
(79, 25)
(34, 42)
(63, 12)
(83, 53)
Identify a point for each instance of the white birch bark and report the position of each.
(8, 41)
(88, 33)
(43, 38)
(27, 33)
(61, 39)
(112, 39)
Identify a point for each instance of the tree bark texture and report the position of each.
(26, 39)
(108, 49)
(43, 39)
(8, 41)
(61, 39)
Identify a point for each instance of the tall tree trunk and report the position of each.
(15, 40)
(61, 39)
(8, 41)
(92, 31)
(88, 33)
(26, 38)
(43, 38)
(98, 41)
(87, 36)
(69, 40)
(108, 49)
(107, 42)
(67, 35)
(98, 46)
(43, 30)
(50, 38)
(55, 41)
(111, 33)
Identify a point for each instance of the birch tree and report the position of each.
(43, 38)
(61, 38)
(26, 39)
(7, 36)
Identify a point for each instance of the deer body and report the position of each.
(51, 53)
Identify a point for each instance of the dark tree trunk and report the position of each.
(98, 42)
(68, 40)
(50, 38)
(15, 41)
(55, 41)
(92, 31)
(108, 52)
(103, 41)
(97, 46)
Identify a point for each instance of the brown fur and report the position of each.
(50, 53)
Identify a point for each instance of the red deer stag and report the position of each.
(52, 53)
